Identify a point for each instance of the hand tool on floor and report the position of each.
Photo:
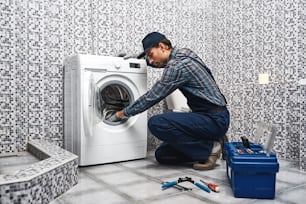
(212, 186)
(177, 186)
(172, 183)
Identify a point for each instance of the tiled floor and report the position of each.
(140, 181)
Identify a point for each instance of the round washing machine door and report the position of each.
(113, 93)
(111, 98)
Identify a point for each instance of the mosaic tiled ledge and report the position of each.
(42, 181)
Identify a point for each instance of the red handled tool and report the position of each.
(211, 186)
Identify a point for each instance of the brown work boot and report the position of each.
(212, 159)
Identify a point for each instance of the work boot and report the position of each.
(212, 159)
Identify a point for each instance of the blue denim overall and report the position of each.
(187, 137)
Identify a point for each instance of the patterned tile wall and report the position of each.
(238, 39)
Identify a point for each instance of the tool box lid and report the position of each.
(267, 132)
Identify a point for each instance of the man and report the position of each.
(187, 136)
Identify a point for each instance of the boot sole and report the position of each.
(211, 163)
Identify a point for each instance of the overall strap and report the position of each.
(209, 72)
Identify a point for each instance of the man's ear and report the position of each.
(163, 47)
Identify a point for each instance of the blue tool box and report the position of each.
(251, 172)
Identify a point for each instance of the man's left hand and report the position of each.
(120, 114)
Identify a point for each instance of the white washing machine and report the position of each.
(95, 87)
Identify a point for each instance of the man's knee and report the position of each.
(156, 124)
(152, 122)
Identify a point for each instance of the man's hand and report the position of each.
(130, 55)
(120, 114)
(115, 117)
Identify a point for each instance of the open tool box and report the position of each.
(251, 167)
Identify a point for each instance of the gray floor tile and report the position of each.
(158, 171)
(102, 169)
(121, 178)
(93, 197)
(263, 201)
(292, 176)
(139, 163)
(146, 190)
(85, 184)
(294, 195)
(139, 182)
(180, 199)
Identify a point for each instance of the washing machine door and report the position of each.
(108, 93)
(104, 141)
(111, 97)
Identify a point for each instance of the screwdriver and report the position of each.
(212, 186)
(177, 186)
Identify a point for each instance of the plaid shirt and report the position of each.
(184, 73)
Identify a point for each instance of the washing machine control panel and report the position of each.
(135, 65)
(132, 65)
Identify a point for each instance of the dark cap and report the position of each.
(149, 41)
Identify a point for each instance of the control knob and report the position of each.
(117, 65)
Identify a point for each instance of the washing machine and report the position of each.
(96, 87)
